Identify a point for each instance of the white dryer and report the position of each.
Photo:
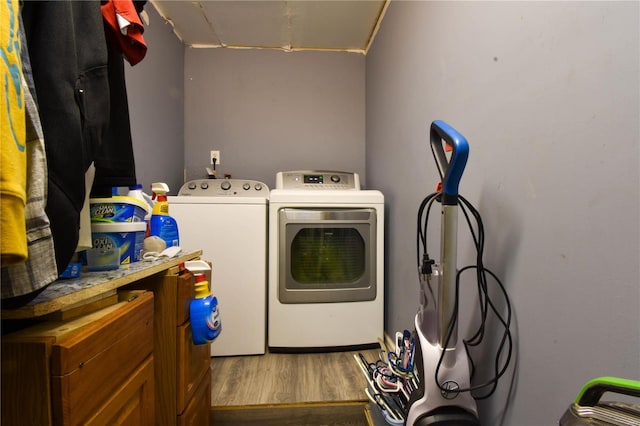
(326, 261)
(227, 219)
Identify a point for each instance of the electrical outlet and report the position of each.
(216, 155)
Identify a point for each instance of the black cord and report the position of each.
(422, 232)
(424, 262)
(505, 340)
(485, 303)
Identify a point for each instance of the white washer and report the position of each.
(227, 219)
(321, 222)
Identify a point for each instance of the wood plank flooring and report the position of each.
(288, 378)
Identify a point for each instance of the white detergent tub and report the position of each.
(127, 237)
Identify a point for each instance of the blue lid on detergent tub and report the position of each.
(118, 209)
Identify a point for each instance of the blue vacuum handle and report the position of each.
(450, 170)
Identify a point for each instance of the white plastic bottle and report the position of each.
(136, 192)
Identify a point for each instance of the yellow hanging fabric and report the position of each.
(13, 155)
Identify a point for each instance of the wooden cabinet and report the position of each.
(132, 362)
(182, 368)
(90, 370)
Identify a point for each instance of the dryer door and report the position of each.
(327, 255)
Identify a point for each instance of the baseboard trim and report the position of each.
(389, 342)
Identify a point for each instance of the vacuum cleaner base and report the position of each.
(447, 416)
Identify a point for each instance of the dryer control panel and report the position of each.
(317, 180)
(224, 187)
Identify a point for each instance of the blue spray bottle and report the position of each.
(161, 224)
(204, 313)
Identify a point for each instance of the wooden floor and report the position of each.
(289, 389)
(288, 378)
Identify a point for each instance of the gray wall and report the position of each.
(266, 111)
(548, 96)
(155, 89)
(269, 111)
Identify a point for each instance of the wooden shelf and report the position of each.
(64, 294)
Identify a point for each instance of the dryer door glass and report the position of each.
(322, 255)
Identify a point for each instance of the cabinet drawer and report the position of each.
(133, 403)
(193, 362)
(89, 366)
(198, 411)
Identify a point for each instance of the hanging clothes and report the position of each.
(13, 154)
(124, 27)
(22, 281)
(73, 97)
(114, 161)
(72, 87)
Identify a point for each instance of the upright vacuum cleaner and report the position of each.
(429, 379)
(444, 395)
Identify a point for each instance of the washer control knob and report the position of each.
(258, 187)
(226, 185)
(204, 185)
(335, 178)
(246, 186)
(192, 185)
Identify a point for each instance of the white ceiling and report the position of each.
(334, 25)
